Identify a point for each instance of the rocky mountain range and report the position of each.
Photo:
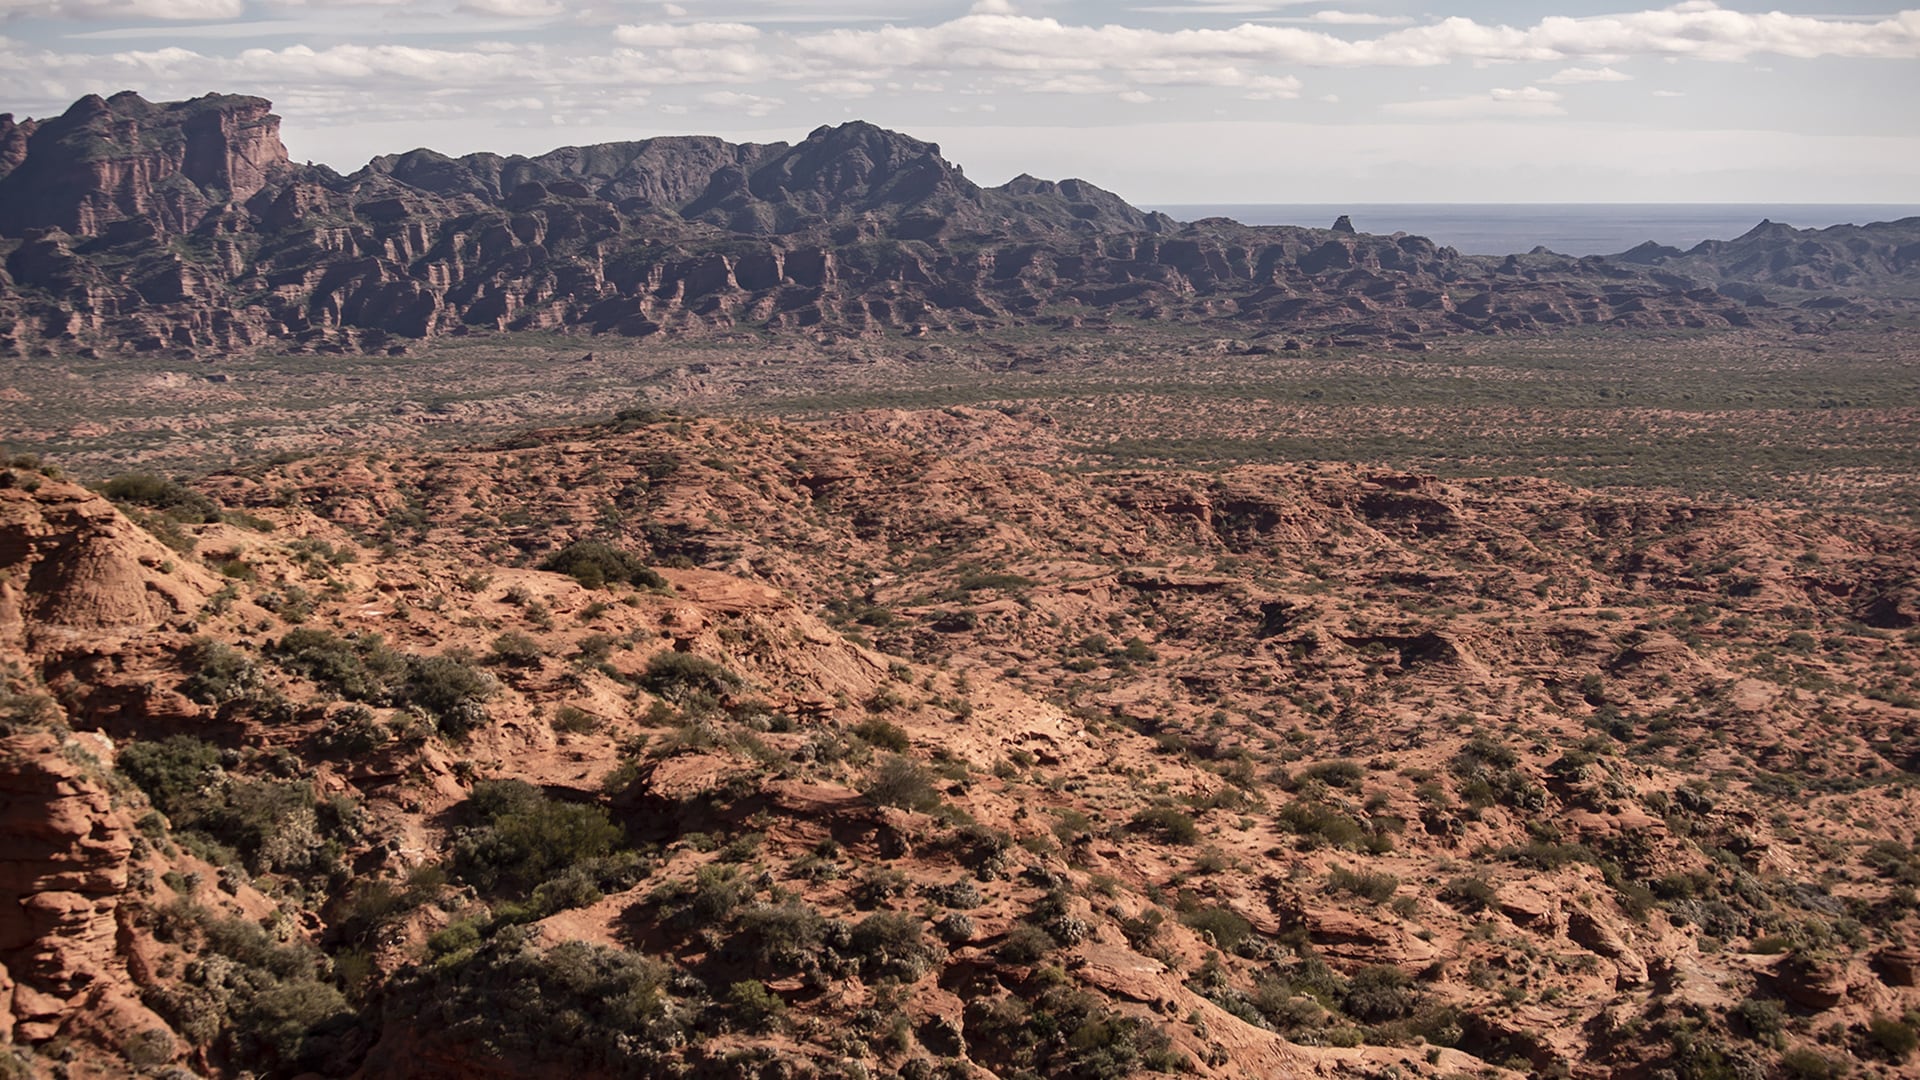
(184, 228)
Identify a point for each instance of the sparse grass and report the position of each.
(1373, 887)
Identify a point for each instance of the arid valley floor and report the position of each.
(1028, 694)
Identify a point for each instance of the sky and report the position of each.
(1162, 101)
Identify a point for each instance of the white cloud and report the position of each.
(1072, 83)
(842, 88)
(1485, 160)
(321, 5)
(1013, 43)
(123, 9)
(1574, 76)
(1220, 7)
(746, 104)
(1529, 101)
(515, 9)
(416, 67)
(1358, 18)
(1271, 88)
(667, 36)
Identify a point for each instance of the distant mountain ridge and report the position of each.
(185, 227)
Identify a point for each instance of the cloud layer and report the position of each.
(991, 47)
(544, 64)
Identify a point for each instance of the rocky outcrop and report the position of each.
(1811, 982)
(13, 143)
(72, 568)
(1597, 933)
(165, 167)
(66, 856)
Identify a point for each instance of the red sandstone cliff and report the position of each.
(107, 160)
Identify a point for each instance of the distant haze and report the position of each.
(1184, 101)
(1570, 229)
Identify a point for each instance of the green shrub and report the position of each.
(524, 838)
(677, 676)
(891, 945)
(354, 730)
(1480, 754)
(883, 734)
(272, 824)
(878, 885)
(1894, 1038)
(1544, 855)
(1321, 823)
(1760, 1018)
(171, 770)
(1367, 885)
(219, 673)
(288, 1022)
(360, 668)
(1065, 1033)
(594, 649)
(1338, 774)
(575, 1007)
(754, 1007)
(1225, 928)
(449, 690)
(1171, 825)
(515, 649)
(1803, 1063)
(1026, 944)
(262, 1002)
(267, 825)
(902, 782)
(710, 899)
(780, 937)
(373, 903)
(596, 564)
(176, 500)
(575, 720)
(1470, 893)
(1380, 993)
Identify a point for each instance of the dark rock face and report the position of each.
(1881, 258)
(182, 227)
(110, 160)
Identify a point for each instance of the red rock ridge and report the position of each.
(107, 160)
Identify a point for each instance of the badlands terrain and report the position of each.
(681, 609)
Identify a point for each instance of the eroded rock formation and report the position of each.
(183, 227)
